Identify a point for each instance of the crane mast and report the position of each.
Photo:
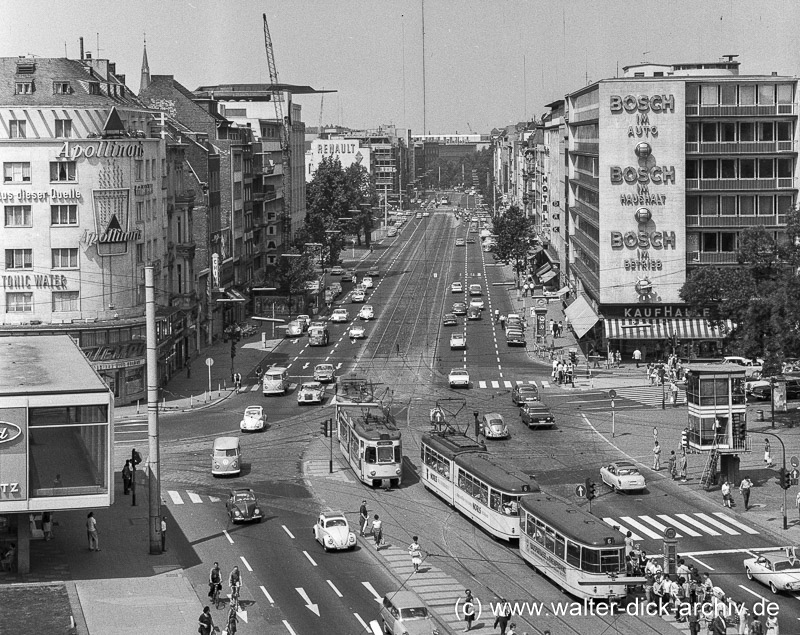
(283, 121)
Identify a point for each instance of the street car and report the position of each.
(347, 276)
(324, 373)
(456, 287)
(524, 393)
(779, 570)
(373, 272)
(458, 340)
(476, 303)
(294, 329)
(459, 308)
(622, 476)
(458, 377)
(515, 337)
(339, 315)
(358, 296)
(404, 613)
(475, 289)
(337, 270)
(357, 332)
(310, 392)
(493, 426)
(253, 419)
(536, 414)
(459, 242)
(332, 531)
(367, 282)
(242, 506)
(449, 319)
(366, 312)
(473, 313)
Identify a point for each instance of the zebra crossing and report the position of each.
(687, 525)
(650, 395)
(177, 498)
(505, 383)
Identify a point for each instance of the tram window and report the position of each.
(369, 454)
(462, 481)
(510, 505)
(398, 453)
(549, 540)
(483, 493)
(610, 560)
(559, 548)
(590, 560)
(539, 532)
(385, 454)
(495, 501)
(573, 554)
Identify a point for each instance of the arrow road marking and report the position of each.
(289, 628)
(269, 597)
(310, 559)
(305, 365)
(372, 590)
(314, 608)
(286, 529)
(242, 615)
(333, 586)
(338, 366)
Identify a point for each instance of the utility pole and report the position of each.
(153, 462)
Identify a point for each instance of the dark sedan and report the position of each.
(524, 393)
(536, 414)
(459, 308)
(473, 313)
(242, 506)
(515, 337)
(450, 320)
(764, 391)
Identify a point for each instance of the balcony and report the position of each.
(741, 147)
(711, 258)
(696, 110)
(736, 221)
(587, 211)
(786, 183)
(585, 179)
(185, 197)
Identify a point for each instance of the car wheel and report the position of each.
(773, 588)
(748, 573)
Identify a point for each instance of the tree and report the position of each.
(515, 233)
(294, 270)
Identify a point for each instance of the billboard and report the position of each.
(13, 454)
(348, 151)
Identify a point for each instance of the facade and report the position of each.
(667, 166)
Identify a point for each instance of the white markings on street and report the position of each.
(176, 498)
(338, 366)
(310, 559)
(613, 523)
(333, 586)
(286, 529)
(194, 497)
(267, 595)
(735, 523)
(656, 524)
(314, 608)
(716, 523)
(682, 527)
(372, 590)
(701, 563)
(760, 597)
(305, 365)
(647, 532)
(507, 384)
(697, 523)
(496, 384)
(481, 384)
(254, 388)
(227, 535)
(363, 623)
(246, 564)
(289, 628)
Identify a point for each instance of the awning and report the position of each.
(548, 276)
(661, 329)
(232, 295)
(562, 291)
(543, 270)
(581, 315)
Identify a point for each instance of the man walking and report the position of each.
(416, 553)
(673, 391)
(656, 457)
(502, 616)
(673, 465)
(726, 493)
(91, 532)
(684, 465)
(637, 357)
(744, 488)
(552, 326)
(126, 478)
(163, 534)
(377, 532)
(364, 515)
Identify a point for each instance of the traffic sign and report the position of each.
(209, 362)
(612, 394)
(580, 491)
(795, 461)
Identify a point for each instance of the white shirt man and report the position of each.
(637, 356)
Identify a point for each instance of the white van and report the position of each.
(226, 459)
(275, 381)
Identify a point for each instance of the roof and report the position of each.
(36, 365)
(496, 476)
(572, 521)
(226, 442)
(719, 369)
(449, 445)
(254, 92)
(405, 599)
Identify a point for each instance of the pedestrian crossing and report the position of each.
(505, 383)
(687, 525)
(177, 498)
(650, 395)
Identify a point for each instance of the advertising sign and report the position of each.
(348, 151)
(13, 454)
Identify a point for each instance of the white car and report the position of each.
(367, 282)
(337, 270)
(779, 570)
(391, 232)
(339, 315)
(366, 312)
(324, 373)
(305, 321)
(477, 303)
(458, 340)
(493, 426)
(357, 332)
(311, 392)
(622, 476)
(253, 419)
(475, 289)
(458, 377)
(332, 531)
(294, 329)
(456, 287)
(358, 296)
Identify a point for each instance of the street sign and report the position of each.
(612, 394)
(795, 461)
(580, 491)
(209, 362)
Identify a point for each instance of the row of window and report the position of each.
(60, 215)
(145, 169)
(724, 242)
(65, 88)
(22, 301)
(743, 131)
(730, 94)
(61, 258)
(740, 168)
(502, 503)
(741, 205)
(20, 172)
(18, 128)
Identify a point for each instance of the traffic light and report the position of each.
(783, 478)
(573, 357)
(324, 428)
(685, 439)
(592, 491)
(741, 429)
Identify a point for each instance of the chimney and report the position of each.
(774, 73)
(81, 41)
(88, 55)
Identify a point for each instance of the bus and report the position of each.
(575, 550)
(459, 470)
(371, 442)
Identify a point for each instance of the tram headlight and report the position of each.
(397, 471)
(372, 473)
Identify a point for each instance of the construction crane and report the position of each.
(321, 104)
(284, 122)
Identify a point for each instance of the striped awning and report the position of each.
(662, 329)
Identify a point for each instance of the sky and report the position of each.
(487, 63)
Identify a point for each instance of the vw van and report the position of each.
(275, 381)
(226, 459)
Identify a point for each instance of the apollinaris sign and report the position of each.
(13, 455)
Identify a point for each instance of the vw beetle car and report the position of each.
(358, 296)
(337, 270)
(294, 329)
(253, 419)
(476, 303)
(367, 282)
(622, 476)
(494, 427)
(339, 315)
(459, 308)
(242, 506)
(458, 341)
(366, 312)
(332, 531)
(310, 392)
(473, 313)
(779, 570)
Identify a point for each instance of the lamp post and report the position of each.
(772, 405)
(783, 450)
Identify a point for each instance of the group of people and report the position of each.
(659, 373)
(556, 328)
(563, 372)
(206, 622)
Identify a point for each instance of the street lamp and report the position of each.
(783, 449)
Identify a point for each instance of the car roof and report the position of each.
(405, 599)
(527, 387)
(321, 367)
(332, 514)
(243, 490)
(538, 405)
(254, 409)
(340, 310)
(625, 464)
(226, 443)
(493, 415)
(311, 384)
(459, 371)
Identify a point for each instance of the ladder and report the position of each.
(710, 469)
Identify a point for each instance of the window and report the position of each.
(692, 169)
(747, 168)
(63, 128)
(766, 169)
(23, 88)
(692, 94)
(709, 132)
(766, 131)
(65, 258)
(19, 258)
(692, 205)
(62, 171)
(727, 94)
(747, 131)
(709, 169)
(708, 95)
(747, 95)
(727, 168)
(62, 88)
(747, 205)
(709, 205)
(138, 169)
(65, 301)
(17, 172)
(19, 302)
(63, 214)
(140, 211)
(17, 129)
(784, 131)
(139, 253)
(148, 170)
(708, 242)
(692, 132)
(784, 168)
(727, 131)
(766, 205)
(785, 203)
(94, 88)
(18, 215)
(766, 95)
(727, 206)
(727, 241)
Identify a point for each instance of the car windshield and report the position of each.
(253, 412)
(336, 522)
(786, 565)
(244, 496)
(230, 452)
(414, 613)
(324, 367)
(628, 471)
(495, 423)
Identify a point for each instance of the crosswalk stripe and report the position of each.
(495, 384)
(519, 382)
(697, 523)
(681, 526)
(175, 496)
(481, 384)
(531, 382)
(735, 523)
(647, 532)
(254, 388)
(507, 384)
(657, 525)
(716, 523)
(194, 497)
(544, 384)
(613, 523)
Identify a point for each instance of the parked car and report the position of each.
(458, 377)
(357, 332)
(762, 389)
(253, 419)
(493, 426)
(242, 506)
(347, 276)
(459, 308)
(457, 287)
(515, 337)
(449, 319)
(324, 373)
(336, 270)
(366, 312)
(474, 312)
(779, 570)
(391, 232)
(458, 341)
(536, 414)
(622, 476)
(524, 393)
(404, 613)
(310, 392)
(339, 315)
(332, 531)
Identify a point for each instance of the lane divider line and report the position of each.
(335, 590)
(310, 559)
(227, 535)
(268, 596)
(246, 564)
(286, 529)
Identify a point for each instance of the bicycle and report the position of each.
(235, 597)
(215, 595)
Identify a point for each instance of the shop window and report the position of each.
(766, 169)
(65, 301)
(727, 241)
(766, 205)
(65, 258)
(766, 131)
(709, 132)
(709, 205)
(766, 94)
(18, 215)
(727, 131)
(727, 168)
(747, 205)
(63, 128)
(709, 168)
(62, 171)
(747, 95)
(708, 242)
(19, 258)
(747, 168)
(727, 206)
(19, 302)
(63, 214)
(17, 172)
(727, 94)
(17, 129)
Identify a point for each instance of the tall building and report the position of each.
(668, 164)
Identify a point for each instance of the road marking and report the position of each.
(176, 498)
(314, 608)
(507, 384)
(716, 523)
(194, 497)
(657, 524)
(246, 564)
(519, 382)
(701, 563)
(682, 527)
(544, 384)
(697, 523)
(254, 388)
(760, 597)
(338, 366)
(721, 552)
(735, 523)
(366, 627)
(305, 365)
(268, 596)
(647, 532)
(613, 523)
(286, 529)
(289, 628)
(227, 535)
(333, 586)
(372, 590)
(310, 559)
(495, 384)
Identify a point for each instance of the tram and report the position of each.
(371, 443)
(577, 551)
(458, 469)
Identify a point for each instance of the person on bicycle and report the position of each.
(233, 619)
(214, 580)
(235, 581)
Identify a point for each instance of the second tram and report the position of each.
(371, 443)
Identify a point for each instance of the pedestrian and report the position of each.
(377, 532)
(637, 357)
(91, 532)
(126, 477)
(237, 381)
(656, 457)
(512, 629)
(567, 323)
(259, 372)
(757, 626)
(206, 624)
(744, 620)
(555, 369)
(673, 391)
(693, 618)
(726, 493)
(772, 625)
(617, 359)
(364, 515)
(416, 553)
(552, 326)
(560, 328)
(57, 481)
(163, 533)
(47, 525)
(188, 368)
(797, 503)
(767, 454)
(673, 465)
(652, 374)
(502, 616)
(469, 609)
(744, 488)
(683, 463)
